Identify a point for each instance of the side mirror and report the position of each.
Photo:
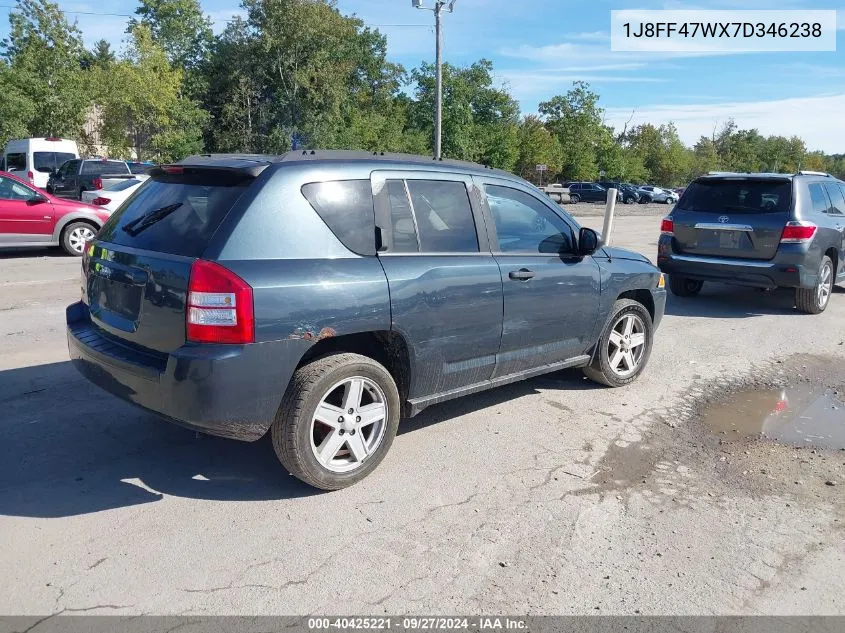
(588, 242)
(37, 198)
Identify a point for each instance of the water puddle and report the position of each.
(804, 415)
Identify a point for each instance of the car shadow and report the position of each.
(70, 449)
(732, 302)
(36, 251)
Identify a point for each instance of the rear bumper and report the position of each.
(787, 269)
(231, 391)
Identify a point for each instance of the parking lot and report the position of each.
(552, 496)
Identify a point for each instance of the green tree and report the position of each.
(576, 119)
(480, 120)
(179, 26)
(537, 146)
(102, 55)
(143, 106)
(43, 54)
(16, 108)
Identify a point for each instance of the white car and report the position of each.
(115, 195)
(658, 194)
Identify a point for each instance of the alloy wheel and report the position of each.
(627, 345)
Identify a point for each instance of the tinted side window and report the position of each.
(346, 206)
(13, 190)
(444, 216)
(403, 227)
(818, 198)
(837, 202)
(525, 225)
(15, 162)
(46, 162)
(69, 168)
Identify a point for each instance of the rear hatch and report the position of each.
(137, 272)
(739, 217)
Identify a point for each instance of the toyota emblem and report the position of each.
(723, 219)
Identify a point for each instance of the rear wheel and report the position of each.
(814, 300)
(74, 237)
(574, 198)
(629, 200)
(337, 420)
(684, 287)
(624, 347)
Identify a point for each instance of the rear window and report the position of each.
(123, 185)
(738, 196)
(48, 162)
(140, 168)
(346, 207)
(197, 205)
(100, 167)
(15, 162)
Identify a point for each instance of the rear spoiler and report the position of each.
(238, 172)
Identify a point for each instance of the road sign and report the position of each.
(542, 168)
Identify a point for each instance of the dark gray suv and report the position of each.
(761, 230)
(324, 295)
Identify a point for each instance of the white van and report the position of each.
(34, 159)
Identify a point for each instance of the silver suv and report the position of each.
(759, 230)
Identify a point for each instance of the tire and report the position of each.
(74, 236)
(574, 198)
(816, 299)
(295, 432)
(629, 200)
(611, 370)
(684, 287)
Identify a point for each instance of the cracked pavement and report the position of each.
(553, 496)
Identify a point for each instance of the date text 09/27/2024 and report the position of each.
(418, 623)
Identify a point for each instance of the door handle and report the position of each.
(523, 274)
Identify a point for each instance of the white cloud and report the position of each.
(769, 117)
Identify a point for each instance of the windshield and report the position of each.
(737, 195)
(196, 206)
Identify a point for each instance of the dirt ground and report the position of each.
(553, 496)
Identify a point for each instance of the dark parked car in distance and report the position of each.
(628, 193)
(588, 192)
(760, 230)
(321, 296)
(79, 175)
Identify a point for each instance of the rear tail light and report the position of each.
(798, 232)
(220, 308)
(98, 183)
(667, 227)
(31, 177)
(101, 202)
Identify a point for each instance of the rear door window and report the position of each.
(48, 162)
(738, 196)
(837, 202)
(346, 206)
(15, 162)
(100, 167)
(191, 208)
(443, 216)
(403, 228)
(819, 198)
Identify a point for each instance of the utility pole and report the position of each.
(438, 7)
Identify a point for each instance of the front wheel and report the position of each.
(574, 198)
(683, 287)
(337, 420)
(625, 346)
(74, 237)
(814, 300)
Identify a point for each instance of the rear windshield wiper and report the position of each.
(148, 219)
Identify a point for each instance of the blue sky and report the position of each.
(540, 46)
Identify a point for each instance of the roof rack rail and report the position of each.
(805, 172)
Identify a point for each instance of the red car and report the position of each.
(32, 217)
